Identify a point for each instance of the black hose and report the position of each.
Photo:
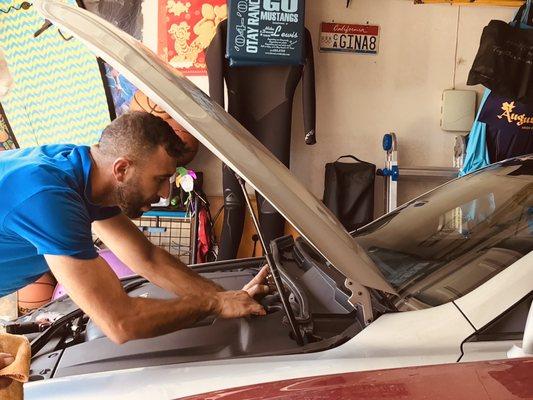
(24, 6)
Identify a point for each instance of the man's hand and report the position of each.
(236, 304)
(256, 287)
(241, 303)
(5, 360)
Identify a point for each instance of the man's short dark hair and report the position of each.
(137, 134)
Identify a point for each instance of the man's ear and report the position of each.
(121, 167)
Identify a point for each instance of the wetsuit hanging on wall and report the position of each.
(260, 98)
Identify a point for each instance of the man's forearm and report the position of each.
(148, 260)
(153, 317)
(169, 273)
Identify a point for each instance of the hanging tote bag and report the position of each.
(349, 191)
(505, 57)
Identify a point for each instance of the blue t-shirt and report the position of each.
(44, 209)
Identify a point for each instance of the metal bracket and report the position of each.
(360, 298)
(390, 145)
(393, 172)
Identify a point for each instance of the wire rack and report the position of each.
(172, 231)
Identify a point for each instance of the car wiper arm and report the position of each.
(40, 341)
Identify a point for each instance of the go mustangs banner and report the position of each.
(362, 39)
(265, 32)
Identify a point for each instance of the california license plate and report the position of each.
(349, 38)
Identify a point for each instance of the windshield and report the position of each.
(446, 243)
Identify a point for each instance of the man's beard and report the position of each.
(130, 200)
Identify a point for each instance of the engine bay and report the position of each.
(74, 345)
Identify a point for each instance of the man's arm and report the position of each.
(97, 291)
(155, 264)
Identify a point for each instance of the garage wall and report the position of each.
(424, 50)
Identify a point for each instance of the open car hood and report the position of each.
(222, 135)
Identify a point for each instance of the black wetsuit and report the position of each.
(260, 98)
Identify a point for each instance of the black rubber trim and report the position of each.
(107, 89)
(294, 287)
(466, 339)
(61, 351)
(476, 331)
(464, 315)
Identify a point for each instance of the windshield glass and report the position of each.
(444, 244)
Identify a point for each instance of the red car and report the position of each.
(488, 380)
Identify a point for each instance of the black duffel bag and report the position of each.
(504, 60)
(349, 191)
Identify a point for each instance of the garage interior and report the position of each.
(404, 109)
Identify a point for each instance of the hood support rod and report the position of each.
(273, 268)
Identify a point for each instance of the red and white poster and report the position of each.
(349, 38)
(186, 28)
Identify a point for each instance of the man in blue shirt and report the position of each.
(50, 198)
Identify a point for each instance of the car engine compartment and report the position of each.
(74, 345)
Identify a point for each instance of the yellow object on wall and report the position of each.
(510, 3)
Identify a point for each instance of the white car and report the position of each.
(445, 278)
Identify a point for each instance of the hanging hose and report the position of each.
(24, 6)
